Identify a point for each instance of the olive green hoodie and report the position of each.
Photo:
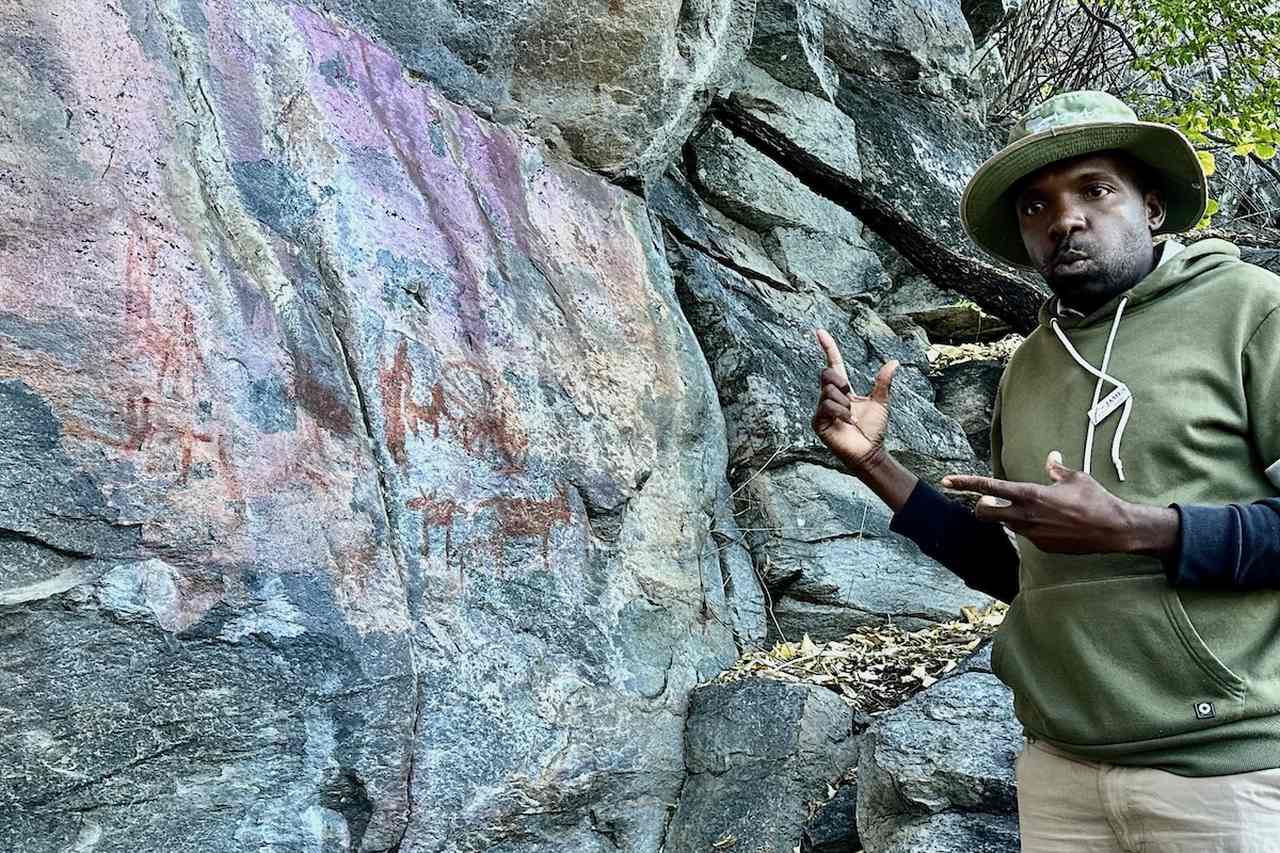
(1105, 658)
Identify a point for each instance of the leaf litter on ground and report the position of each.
(877, 667)
(945, 355)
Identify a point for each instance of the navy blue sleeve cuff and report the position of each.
(923, 518)
(1207, 546)
(1236, 546)
(978, 552)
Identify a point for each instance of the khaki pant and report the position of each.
(1070, 805)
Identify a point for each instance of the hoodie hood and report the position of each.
(1177, 265)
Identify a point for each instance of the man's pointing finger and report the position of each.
(986, 486)
(834, 359)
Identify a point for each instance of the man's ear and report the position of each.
(1154, 205)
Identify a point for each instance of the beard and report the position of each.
(1085, 276)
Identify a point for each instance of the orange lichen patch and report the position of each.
(477, 420)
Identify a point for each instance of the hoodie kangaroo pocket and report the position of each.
(1112, 661)
(1196, 647)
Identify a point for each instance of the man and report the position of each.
(1136, 454)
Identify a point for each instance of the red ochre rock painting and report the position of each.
(145, 426)
(176, 356)
(436, 512)
(514, 518)
(476, 421)
(158, 414)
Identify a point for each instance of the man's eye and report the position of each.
(1031, 208)
(1096, 191)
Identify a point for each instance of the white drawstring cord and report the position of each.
(1097, 391)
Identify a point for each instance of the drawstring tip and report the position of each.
(1120, 470)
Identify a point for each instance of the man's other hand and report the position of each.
(852, 425)
(1073, 515)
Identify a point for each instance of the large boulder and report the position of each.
(361, 485)
(759, 342)
(832, 564)
(937, 772)
(619, 83)
(924, 42)
(760, 754)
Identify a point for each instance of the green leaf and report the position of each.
(1207, 162)
(1209, 210)
(1265, 151)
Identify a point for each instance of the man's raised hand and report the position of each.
(851, 425)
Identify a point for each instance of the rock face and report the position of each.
(761, 259)
(375, 477)
(937, 773)
(759, 752)
(359, 470)
(927, 41)
(967, 392)
(831, 562)
(790, 42)
(620, 83)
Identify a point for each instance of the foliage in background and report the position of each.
(1209, 67)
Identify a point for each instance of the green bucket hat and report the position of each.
(1067, 126)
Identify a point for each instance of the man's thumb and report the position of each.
(884, 383)
(1054, 467)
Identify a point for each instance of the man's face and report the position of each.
(1087, 226)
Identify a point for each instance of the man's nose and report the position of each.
(1067, 219)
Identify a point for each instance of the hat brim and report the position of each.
(987, 206)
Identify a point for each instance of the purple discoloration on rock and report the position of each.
(233, 87)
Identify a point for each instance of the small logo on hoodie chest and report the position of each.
(1204, 711)
(1109, 404)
